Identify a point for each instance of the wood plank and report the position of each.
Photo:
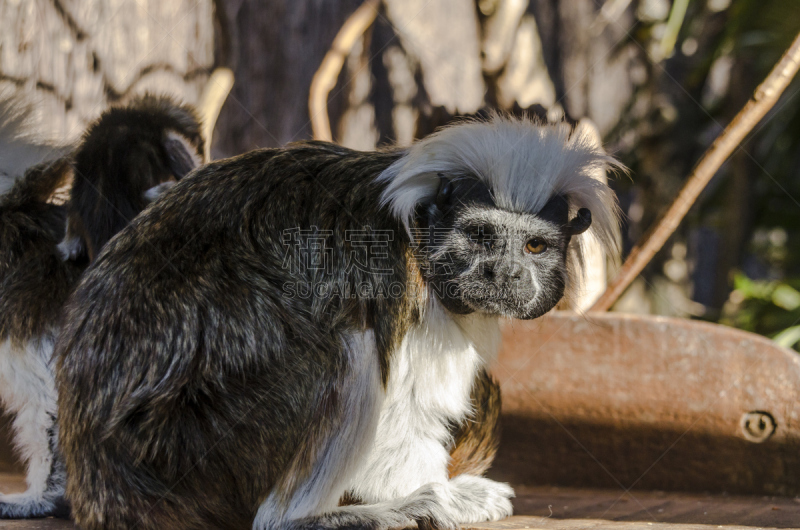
(37, 524)
(512, 523)
(657, 507)
(543, 523)
(568, 508)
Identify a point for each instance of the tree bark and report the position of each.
(273, 47)
(75, 57)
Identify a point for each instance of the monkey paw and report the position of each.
(28, 506)
(157, 191)
(476, 499)
(70, 248)
(428, 507)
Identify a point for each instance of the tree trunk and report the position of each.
(273, 47)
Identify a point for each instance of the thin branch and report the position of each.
(214, 95)
(765, 97)
(328, 72)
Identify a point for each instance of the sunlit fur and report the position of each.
(197, 391)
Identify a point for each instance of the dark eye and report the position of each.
(535, 246)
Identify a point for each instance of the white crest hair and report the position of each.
(523, 163)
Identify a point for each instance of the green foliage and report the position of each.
(748, 219)
(788, 337)
(758, 33)
(771, 308)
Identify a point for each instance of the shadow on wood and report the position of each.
(8, 460)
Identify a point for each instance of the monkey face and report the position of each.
(481, 258)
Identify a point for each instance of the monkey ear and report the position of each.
(556, 211)
(445, 191)
(441, 203)
(182, 156)
(431, 213)
(581, 222)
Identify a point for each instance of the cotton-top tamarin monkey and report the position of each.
(292, 326)
(124, 161)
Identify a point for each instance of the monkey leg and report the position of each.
(417, 457)
(464, 500)
(28, 390)
(312, 503)
(477, 437)
(426, 507)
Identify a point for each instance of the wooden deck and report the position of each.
(572, 509)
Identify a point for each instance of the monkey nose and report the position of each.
(488, 272)
(522, 280)
(516, 274)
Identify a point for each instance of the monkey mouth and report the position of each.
(503, 301)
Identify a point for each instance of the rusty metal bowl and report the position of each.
(655, 403)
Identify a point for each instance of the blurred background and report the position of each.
(658, 79)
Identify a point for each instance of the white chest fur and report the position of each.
(430, 378)
(26, 374)
(28, 390)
